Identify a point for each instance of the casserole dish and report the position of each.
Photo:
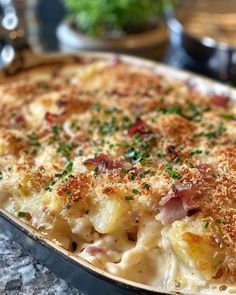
(74, 269)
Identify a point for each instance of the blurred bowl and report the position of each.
(150, 44)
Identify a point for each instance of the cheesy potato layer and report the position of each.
(132, 171)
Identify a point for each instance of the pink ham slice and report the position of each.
(141, 128)
(103, 162)
(205, 169)
(220, 100)
(172, 210)
(94, 250)
(52, 118)
(175, 206)
(19, 119)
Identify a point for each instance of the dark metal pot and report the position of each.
(217, 58)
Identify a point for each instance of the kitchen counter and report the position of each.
(20, 274)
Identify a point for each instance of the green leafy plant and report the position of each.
(114, 18)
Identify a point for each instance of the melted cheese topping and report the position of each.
(92, 153)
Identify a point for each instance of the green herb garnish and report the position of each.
(129, 198)
(64, 149)
(55, 129)
(132, 177)
(206, 224)
(146, 186)
(136, 155)
(172, 172)
(190, 165)
(216, 133)
(176, 160)
(112, 111)
(96, 172)
(219, 221)
(108, 127)
(228, 116)
(160, 154)
(66, 171)
(173, 109)
(195, 152)
(49, 187)
(22, 214)
(195, 113)
(97, 107)
(150, 172)
(33, 140)
(125, 122)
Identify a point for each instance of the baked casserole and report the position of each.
(131, 170)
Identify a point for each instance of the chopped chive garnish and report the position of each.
(160, 154)
(55, 130)
(97, 107)
(190, 165)
(132, 177)
(206, 224)
(176, 160)
(49, 187)
(219, 221)
(195, 152)
(228, 116)
(65, 172)
(150, 172)
(173, 173)
(216, 133)
(129, 198)
(146, 186)
(33, 140)
(22, 214)
(64, 149)
(96, 172)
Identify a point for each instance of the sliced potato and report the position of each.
(196, 248)
(108, 215)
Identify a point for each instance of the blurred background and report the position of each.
(197, 35)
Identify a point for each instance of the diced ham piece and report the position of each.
(172, 210)
(166, 199)
(185, 192)
(175, 206)
(20, 119)
(141, 128)
(61, 102)
(52, 118)
(94, 250)
(220, 100)
(205, 169)
(103, 162)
